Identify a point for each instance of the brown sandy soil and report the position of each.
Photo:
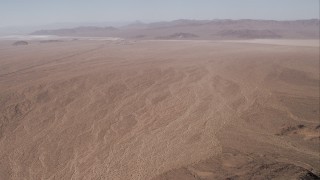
(285, 42)
(159, 110)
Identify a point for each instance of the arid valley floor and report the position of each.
(157, 109)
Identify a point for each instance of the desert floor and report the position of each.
(159, 110)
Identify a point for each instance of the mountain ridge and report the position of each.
(201, 29)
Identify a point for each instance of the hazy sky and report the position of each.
(38, 12)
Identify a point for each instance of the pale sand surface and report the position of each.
(158, 109)
(285, 42)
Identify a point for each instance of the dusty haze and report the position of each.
(200, 29)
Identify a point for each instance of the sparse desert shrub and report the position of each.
(20, 43)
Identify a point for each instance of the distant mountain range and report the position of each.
(79, 31)
(200, 29)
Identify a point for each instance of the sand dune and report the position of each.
(158, 110)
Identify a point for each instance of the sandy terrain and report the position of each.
(158, 110)
(284, 42)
